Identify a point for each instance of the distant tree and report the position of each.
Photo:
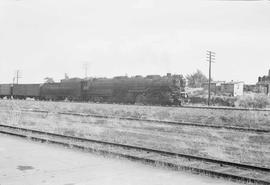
(48, 80)
(196, 79)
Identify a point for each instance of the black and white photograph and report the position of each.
(135, 92)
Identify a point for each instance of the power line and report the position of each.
(210, 56)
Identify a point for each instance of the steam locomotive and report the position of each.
(150, 90)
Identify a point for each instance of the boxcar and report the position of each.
(59, 91)
(5, 90)
(26, 90)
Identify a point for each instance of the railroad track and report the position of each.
(183, 106)
(243, 129)
(226, 108)
(190, 106)
(178, 161)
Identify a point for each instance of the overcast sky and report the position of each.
(51, 37)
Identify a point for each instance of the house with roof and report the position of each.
(215, 86)
(232, 88)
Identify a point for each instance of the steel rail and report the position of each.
(226, 108)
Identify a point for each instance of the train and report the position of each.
(149, 90)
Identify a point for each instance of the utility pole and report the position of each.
(18, 75)
(85, 67)
(210, 58)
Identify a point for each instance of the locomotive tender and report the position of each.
(150, 90)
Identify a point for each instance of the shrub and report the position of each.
(215, 100)
(223, 101)
(253, 101)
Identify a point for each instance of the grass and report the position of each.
(250, 148)
(241, 118)
(251, 100)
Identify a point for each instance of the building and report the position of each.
(265, 78)
(263, 83)
(251, 88)
(215, 86)
(232, 88)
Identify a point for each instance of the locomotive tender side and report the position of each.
(61, 91)
(22, 91)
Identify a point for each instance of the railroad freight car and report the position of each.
(22, 91)
(70, 90)
(5, 90)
